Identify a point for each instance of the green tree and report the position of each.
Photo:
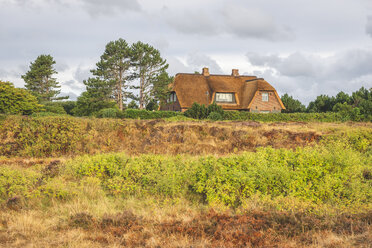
(40, 81)
(322, 103)
(362, 99)
(17, 101)
(292, 105)
(149, 66)
(133, 105)
(160, 88)
(114, 70)
(97, 97)
(342, 97)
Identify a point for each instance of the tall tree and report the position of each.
(292, 105)
(160, 87)
(149, 65)
(40, 81)
(114, 70)
(98, 96)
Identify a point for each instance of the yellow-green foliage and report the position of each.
(17, 101)
(15, 182)
(332, 174)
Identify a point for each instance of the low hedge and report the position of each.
(145, 114)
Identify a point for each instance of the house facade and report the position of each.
(231, 92)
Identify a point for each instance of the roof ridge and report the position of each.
(224, 75)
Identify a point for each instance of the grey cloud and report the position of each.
(72, 84)
(82, 74)
(369, 26)
(253, 23)
(93, 7)
(192, 22)
(176, 66)
(99, 7)
(295, 65)
(232, 20)
(196, 61)
(60, 67)
(72, 96)
(309, 75)
(263, 60)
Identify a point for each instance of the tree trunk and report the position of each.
(120, 92)
(142, 83)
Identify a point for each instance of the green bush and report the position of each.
(197, 111)
(16, 182)
(145, 114)
(215, 108)
(215, 116)
(320, 175)
(54, 107)
(108, 113)
(17, 101)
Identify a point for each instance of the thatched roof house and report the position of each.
(232, 92)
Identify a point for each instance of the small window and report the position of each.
(264, 111)
(265, 97)
(172, 97)
(225, 97)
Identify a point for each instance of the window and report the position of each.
(265, 97)
(172, 97)
(264, 111)
(225, 97)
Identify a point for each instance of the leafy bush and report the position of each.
(54, 107)
(17, 101)
(44, 136)
(144, 114)
(215, 116)
(108, 113)
(197, 111)
(16, 182)
(215, 108)
(315, 174)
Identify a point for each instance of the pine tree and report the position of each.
(149, 65)
(113, 69)
(40, 81)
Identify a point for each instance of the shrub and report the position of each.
(215, 116)
(145, 114)
(17, 101)
(197, 111)
(108, 113)
(14, 182)
(215, 108)
(54, 107)
(318, 175)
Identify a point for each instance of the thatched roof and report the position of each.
(192, 88)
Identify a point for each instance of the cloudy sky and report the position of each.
(305, 48)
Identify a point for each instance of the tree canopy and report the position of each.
(40, 81)
(292, 105)
(149, 66)
(17, 101)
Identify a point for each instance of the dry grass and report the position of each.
(161, 137)
(132, 223)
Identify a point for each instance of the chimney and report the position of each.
(235, 72)
(205, 71)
